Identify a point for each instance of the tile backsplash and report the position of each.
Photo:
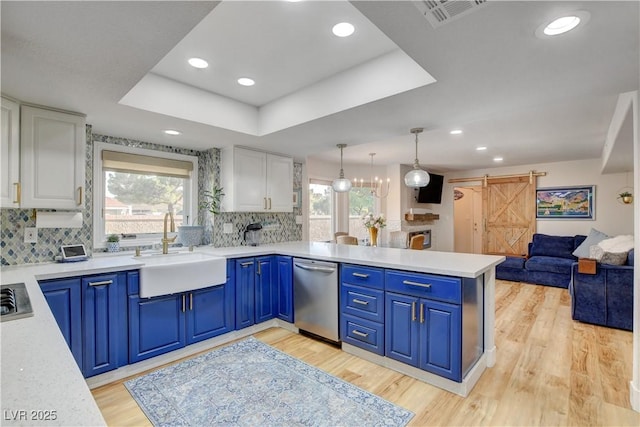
(279, 227)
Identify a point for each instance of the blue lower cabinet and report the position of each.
(104, 323)
(245, 271)
(266, 296)
(65, 301)
(210, 313)
(402, 328)
(256, 290)
(91, 312)
(362, 333)
(424, 333)
(156, 326)
(284, 283)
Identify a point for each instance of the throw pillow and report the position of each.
(612, 251)
(592, 239)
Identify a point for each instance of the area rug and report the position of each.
(250, 383)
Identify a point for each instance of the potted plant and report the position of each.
(113, 243)
(626, 197)
(211, 200)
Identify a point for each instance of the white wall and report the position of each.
(611, 216)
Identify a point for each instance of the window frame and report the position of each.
(190, 197)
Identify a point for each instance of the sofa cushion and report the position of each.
(550, 264)
(631, 257)
(593, 238)
(552, 246)
(513, 262)
(612, 251)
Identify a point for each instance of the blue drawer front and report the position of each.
(363, 333)
(364, 276)
(443, 288)
(362, 302)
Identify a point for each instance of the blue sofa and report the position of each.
(604, 298)
(548, 262)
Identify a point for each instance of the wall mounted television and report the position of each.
(432, 193)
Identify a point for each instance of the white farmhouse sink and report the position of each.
(164, 274)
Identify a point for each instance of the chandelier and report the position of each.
(377, 186)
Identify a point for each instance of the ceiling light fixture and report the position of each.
(172, 132)
(498, 159)
(481, 148)
(343, 29)
(562, 24)
(342, 184)
(456, 132)
(375, 184)
(416, 178)
(245, 81)
(198, 63)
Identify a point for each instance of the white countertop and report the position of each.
(38, 369)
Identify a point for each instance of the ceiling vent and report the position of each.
(440, 12)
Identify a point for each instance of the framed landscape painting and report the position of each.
(566, 203)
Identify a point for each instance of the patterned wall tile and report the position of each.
(279, 227)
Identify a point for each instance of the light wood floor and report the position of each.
(550, 371)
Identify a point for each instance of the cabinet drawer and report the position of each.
(363, 333)
(440, 288)
(362, 302)
(363, 276)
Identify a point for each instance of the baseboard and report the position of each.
(634, 396)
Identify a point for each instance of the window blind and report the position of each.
(136, 163)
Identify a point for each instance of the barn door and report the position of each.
(508, 205)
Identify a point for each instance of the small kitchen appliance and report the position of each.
(252, 234)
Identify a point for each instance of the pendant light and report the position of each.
(416, 177)
(341, 185)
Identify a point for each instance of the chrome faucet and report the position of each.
(165, 239)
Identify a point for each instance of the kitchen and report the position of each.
(283, 227)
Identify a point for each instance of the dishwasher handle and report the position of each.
(314, 268)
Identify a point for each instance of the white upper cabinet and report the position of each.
(52, 159)
(255, 181)
(10, 167)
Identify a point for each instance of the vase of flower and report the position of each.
(373, 224)
(373, 236)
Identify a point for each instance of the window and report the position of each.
(135, 188)
(320, 211)
(361, 202)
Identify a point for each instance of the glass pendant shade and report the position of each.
(341, 185)
(416, 177)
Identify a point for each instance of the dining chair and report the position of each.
(347, 240)
(417, 242)
(339, 233)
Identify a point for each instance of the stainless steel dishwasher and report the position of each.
(315, 297)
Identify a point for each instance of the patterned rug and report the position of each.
(249, 383)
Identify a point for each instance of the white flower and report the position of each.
(371, 220)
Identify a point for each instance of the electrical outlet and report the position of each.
(227, 227)
(30, 235)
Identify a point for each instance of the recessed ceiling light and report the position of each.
(172, 132)
(456, 132)
(481, 148)
(343, 29)
(198, 63)
(245, 81)
(563, 24)
(498, 159)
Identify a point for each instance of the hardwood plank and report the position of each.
(550, 370)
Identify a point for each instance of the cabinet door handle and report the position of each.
(18, 192)
(265, 203)
(190, 301)
(421, 313)
(360, 334)
(361, 275)
(102, 283)
(79, 196)
(246, 264)
(422, 285)
(359, 301)
(269, 203)
(184, 303)
(413, 311)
